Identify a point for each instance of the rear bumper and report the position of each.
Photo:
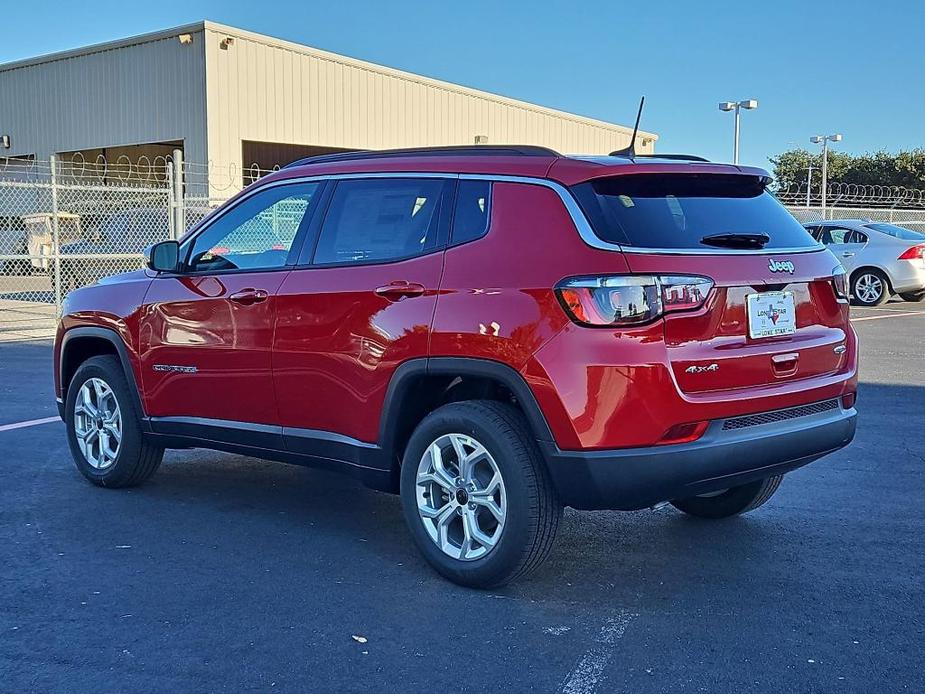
(908, 276)
(732, 452)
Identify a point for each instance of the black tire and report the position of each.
(732, 502)
(136, 459)
(914, 297)
(860, 276)
(533, 508)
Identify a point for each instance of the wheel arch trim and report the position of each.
(113, 338)
(403, 379)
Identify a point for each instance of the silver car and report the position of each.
(881, 259)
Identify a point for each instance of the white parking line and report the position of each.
(29, 423)
(892, 314)
(898, 306)
(585, 676)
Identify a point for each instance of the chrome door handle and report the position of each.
(249, 296)
(395, 291)
(847, 254)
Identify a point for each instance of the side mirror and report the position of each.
(164, 256)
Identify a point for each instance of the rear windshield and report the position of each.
(898, 232)
(678, 210)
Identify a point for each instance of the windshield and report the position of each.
(897, 232)
(679, 210)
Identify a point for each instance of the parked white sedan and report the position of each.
(881, 259)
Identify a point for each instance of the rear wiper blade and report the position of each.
(736, 240)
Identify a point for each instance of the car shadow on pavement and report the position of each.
(610, 552)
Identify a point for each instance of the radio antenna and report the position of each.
(630, 149)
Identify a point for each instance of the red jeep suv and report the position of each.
(492, 332)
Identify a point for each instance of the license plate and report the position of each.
(771, 314)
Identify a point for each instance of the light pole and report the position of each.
(748, 104)
(825, 140)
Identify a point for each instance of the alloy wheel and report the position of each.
(98, 423)
(461, 497)
(868, 288)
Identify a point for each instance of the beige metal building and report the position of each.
(234, 98)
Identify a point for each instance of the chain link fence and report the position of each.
(902, 206)
(64, 225)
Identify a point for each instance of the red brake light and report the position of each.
(914, 253)
(615, 300)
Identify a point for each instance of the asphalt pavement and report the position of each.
(225, 573)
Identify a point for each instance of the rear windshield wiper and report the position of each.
(736, 240)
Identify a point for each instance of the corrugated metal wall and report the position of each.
(151, 91)
(213, 94)
(274, 91)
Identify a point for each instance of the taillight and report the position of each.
(840, 282)
(615, 300)
(914, 253)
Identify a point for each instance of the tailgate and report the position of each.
(713, 349)
(772, 315)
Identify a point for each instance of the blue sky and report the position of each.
(850, 67)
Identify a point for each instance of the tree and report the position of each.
(906, 168)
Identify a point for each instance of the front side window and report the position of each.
(257, 234)
(380, 219)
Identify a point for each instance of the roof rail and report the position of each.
(448, 151)
(678, 157)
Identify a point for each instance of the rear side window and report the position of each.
(380, 219)
(471, 214)
(897, 232)
(675, 211)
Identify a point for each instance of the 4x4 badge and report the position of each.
(695, 369)
(780, 266)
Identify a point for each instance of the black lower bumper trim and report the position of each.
(635, 478)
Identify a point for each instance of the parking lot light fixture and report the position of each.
(824, 140)
(747, 104)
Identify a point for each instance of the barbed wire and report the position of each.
(862, 195)
(123, 171)
(77, 170)
(225, 177)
